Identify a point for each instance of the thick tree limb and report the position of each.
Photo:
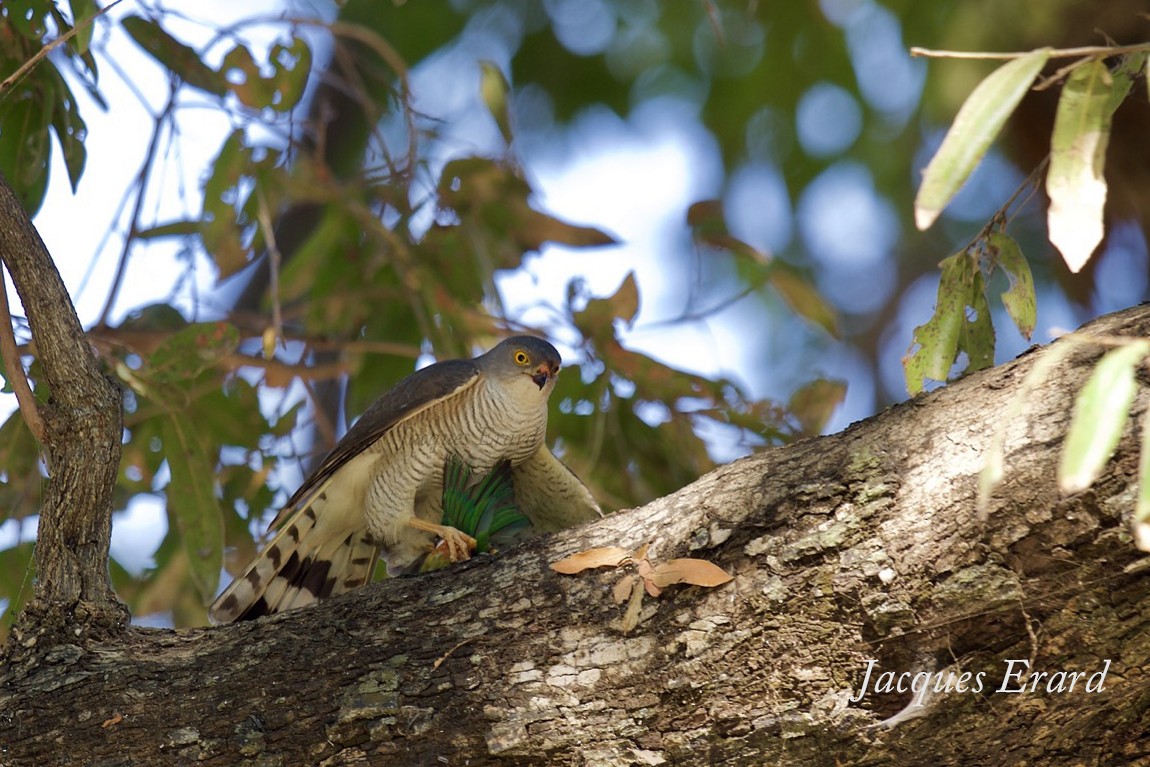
(858, 546)
(82, 432)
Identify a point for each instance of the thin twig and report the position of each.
(274, 261)
(700, 314)
(133, 226)
(1056, 53)
(27, 66)
(321, 420)
(391, 57)
(146, 341)
(14, 369)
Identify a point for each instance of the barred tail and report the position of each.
(302, 564)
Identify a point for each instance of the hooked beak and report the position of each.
(544, 373)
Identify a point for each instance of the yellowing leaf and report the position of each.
(184, 62)
(935, 344)
(611, 556)
(977, 336)
(1074, 182)
(494, 90)
(1100, 414)
(975, 128)
(697, 572)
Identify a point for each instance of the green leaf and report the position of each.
(282, 89)
(1128, 70)
(1019, 300)
(221, 231)
(82, 10)
(182, 356)
(70, 129)
(1100, 413)
(1074, 182)
(494, 90)
(17, 575)
(974, 129)
(935, 344)
(182, 61)
(192, 501)
(25, 148)
(22, 482)
(815, 402)
(597, 319)
(170, 229)
(977, 337)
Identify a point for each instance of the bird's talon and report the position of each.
(458, 544)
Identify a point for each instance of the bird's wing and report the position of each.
(419, 391)
(550, 494)
(301, 565)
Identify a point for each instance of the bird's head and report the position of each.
(525, 358)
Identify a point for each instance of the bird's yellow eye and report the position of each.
(521, 357)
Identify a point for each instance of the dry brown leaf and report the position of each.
(697, 572)
(634, 607)
(622, 589)
(611, 556)
(647, 573)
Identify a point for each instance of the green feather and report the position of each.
(486, 509)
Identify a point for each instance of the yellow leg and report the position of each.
(459, 544)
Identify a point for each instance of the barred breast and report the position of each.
(486, 425)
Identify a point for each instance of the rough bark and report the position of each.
(857, 546)
(83, 421)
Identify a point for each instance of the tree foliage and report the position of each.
(370, 236)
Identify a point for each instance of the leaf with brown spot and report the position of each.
(611, 556)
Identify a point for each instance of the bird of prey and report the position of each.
(380, 490)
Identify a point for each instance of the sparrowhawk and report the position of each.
(379, 491)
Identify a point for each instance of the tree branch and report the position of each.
(865, 546)
(82, 433)
(14, 368)
(1057, 53)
